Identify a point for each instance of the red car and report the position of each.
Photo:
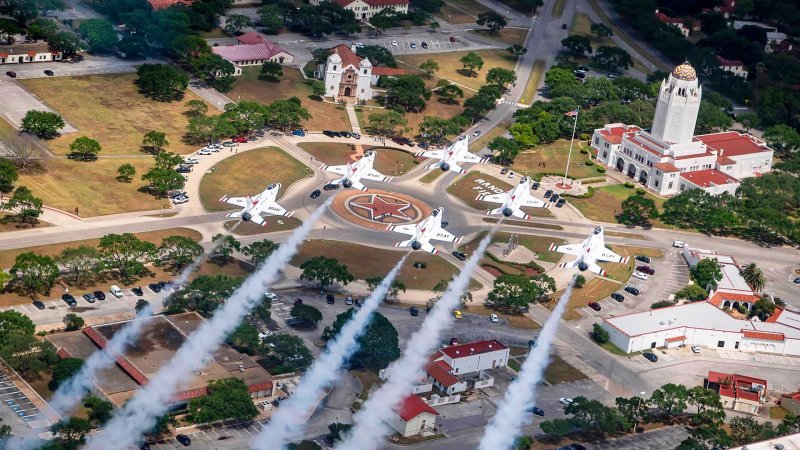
(646, 269)
(595, 306)
(240, 139)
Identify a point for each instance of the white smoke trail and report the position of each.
(287, 423)
(152, 401)
(512, 414)
(370, 423)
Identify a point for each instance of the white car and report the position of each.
(565, 401)
(179, 200)
(213, 149)
(695, 349)
(394, 43)
(360, 45)
(678, 244)
(640, 276)
(477, 133)
(191, 160)
(511, 174)
(204, 151)
(494, 318)
(413, 45)
(270, 295)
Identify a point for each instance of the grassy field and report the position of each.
(476, 145)
(621, 272)
(450, 67)
(532, 86)
(389, 161)
(365, 262)
(558, 7)
(595, 289)
(232, 177)
(241, 228)
(508, 36)
(66, 184)
(324, 116)
(522, 223)
(464, 189)
(553, 156)
(778, 412)
(607, 202)
(560, 371)
(431, 176)
(523, 322)
(536, 244)
(455, 15)
(110, 109)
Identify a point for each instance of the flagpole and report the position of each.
(569, 155)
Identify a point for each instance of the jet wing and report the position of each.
(258, 220)
(444, 235)
(238, 201)
(494, 198)
(438, 154)
(608, 255)
(404, 229)
(573, 249)
(374, 175)
(514, 212)
(341, 170)
(469, 157)
(533, 202)
(456, 168)
(358, 185)
(276, 210)
(426, 246)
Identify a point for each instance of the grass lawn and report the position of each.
(431, 176)
(581, 26)
(607, 201)
(455, 15)
(66, 184)
(595, 289)
(524, 322)
(110, 109)
(508, 36)
(532, 86)
(450, 67)
(369, 380)
(519, 5)
(614, 350)
(465, 189)
(365, 262)
(476, 145)
(536, 244)
(387, 160)
(554, 158)
(558, 7)
(324, 116)
(232, 176)
(778, 412)
(560, 371)
(216, 33)
(470, 6)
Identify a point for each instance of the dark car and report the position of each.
(12, 74)
(796, 280)
(424, 44)
(138, 291)
(69, 300)
(536, 410)
(330, 187)
(144, 446)
(453, 341)
(100, 295)
(646, 269)
(560, 203)
(184, 440)
(564, 26)
(548, 193)
(452, 38)
(460, 255)
(155, 287)
(316, 193)
(618, 297)
(298, 301)
(650, 356)
(504, 171)
(330, 299)
(327, 133)
(38, 304)
(535, 185)
(531, 343)
(554, 197)
(631, 290)
(88, 297)
(49, 73)
(595, 306)
(423, 145)
(183, 169)
(414, 311)
(642, 258)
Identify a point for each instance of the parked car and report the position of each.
(315, 193)
(330, 299)
(204, 152)
(535, 185)
(504, 171)
(555, 197)
(240, 139)
(180, 200)
(298, 301)
(155, 287)
(618, 297)
(394, 43)
(796, 280)
(69, 300)
(49, 72)
(548, 193)
(330, 187)
(11, 74)
(184, 440)
(100, 295)
(678, 244)
(536, 410)
(595, 306)
(560, 203)
(115, 291)
(359, 45)
(511, 174)
(460, 255)
(229, 144)
(642, 258)
(639, 275)
(348, 300)
(138, 291)
(457, 314)
(452, 38)
(191, 160)
(531, 343)
(650, 356)
(611, 76)
(414, 311)
(38, 304)
(184, 169)
(631, 290)
(564, 26)
(565, 401)
(476, 133)
(695, 349)
(88, 297)
(493, 318)
(424, 44)
(413, 45)
(300, 133)
(646, 269)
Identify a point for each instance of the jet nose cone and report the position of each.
(445, 167)
(247, 216)
(582, 266)
(416, 245)
(347, 183)
(507, 212)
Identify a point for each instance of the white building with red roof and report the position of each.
(365, 9)
(414, 417)
(669, 158)
(252, 50)
(350, 77)
(452, 368)
(733, 66)
(738, 392)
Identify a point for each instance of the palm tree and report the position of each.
(753, 275)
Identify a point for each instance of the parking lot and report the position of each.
(677, 277)
(215, 437)
(20, 405)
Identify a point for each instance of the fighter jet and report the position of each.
(263, 203)
(514, 200)
(451, 156)
(590, 251)
(422, 232)
(352, 173)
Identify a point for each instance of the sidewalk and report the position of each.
(351, 114)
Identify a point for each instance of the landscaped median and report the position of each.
(388, 161)
(468, 187)
(536, 244)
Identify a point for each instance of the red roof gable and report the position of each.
(613, 135)
(708, 177)
(250, 38)
(720, 297)
(348, 57)
(440, 374)
(162, 4)
(792, 395)
(667, 167)
(249, 52)
(729, 62)
(413, 406)
(387, 71)
(473, 348)
(764, 335)
(732, 143)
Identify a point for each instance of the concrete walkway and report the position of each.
(351, 114)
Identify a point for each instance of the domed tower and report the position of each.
(364, 80)
(333, 74)
(677, 106)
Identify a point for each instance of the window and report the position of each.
(596, 141)
(606, 144)
(334, 67)
(456, 371)
(365, 71)
(652, 345)
(656, 183)
(605, 154)
(720, 344)
(736, 345)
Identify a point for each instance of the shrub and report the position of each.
(629, 185)
(584, 151)
(589, 163)
(601, 169)
(589, 194)
(583, 136)
(640, 191)
(580, 280)
(662, 304)
(599, 334)
(420, 265)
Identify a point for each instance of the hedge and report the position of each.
(589, 194)
(601, 169)
(629, 185)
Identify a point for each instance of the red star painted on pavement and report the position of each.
(378, 207)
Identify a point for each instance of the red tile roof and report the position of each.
(676, 339)
(251, 38)
(413, 406)
(792, 395)
(387, 71)
(729, 62)
(614, 134)
(732, 143)
(725, 161)
(708, 177)
(473, 348)
(348, 57)
(375, 3)
(720, 297)
(667, 167)
(441, 375)
(162, 4)
(248, 52)
(775, 316)
(667, 19)
(764, 335)
(734, 379)
(122, 362)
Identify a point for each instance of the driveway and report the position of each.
(19, 101)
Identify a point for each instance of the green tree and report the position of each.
(477, 106)
(378, 346)
(216, 70)
(132, 46)
(42, 29)
(8, 176)
(556, 428)
(450, 93)
(754, 277)
(125, 173)
(633, 409)
(100, 411)
(408, 92)
(703, 398)
(789, 425)
(599, 334)
(73, 322)
(783, 138)
(63, 370)
(707, 272)
(591, 416)
(65, 42)
(262, 311)
(84, 149)
(99, 34)
(749, 120)
(306, 313)
(377, 55)
(78, 261)
(161, 82)
(166, 160)
(577, 45)
(670, 398)
(513, 293)
(517, 50)
(161, 181)
(580, 280)
(205, 293)
(227, 398)
(386, 123)
(693, 293)
(429, 66)
(394, 288)
(289, 350)
(126, 254)
(601, 30)
(613, 58)
(28, 355)
(434, 24)
(235, 22)
(24, 206)
(325, 271)
(155, 141)
(337, 432)
(286, 114)
(225, 245)
(318, 88)
(470, 62)
(523, 443)
(492, 20)
(14, 323)
(271, 21)
(259, 251)
(43, 124)
(763, 308)
(140, 305)
(504, 149)
(711, 119)
(179, 251)
(196, 108)
(500, 77)
(637, 210)
(304, 445)
(36, 273)
(436, 129)
(272, 70)
(245, 338)
(71, 434)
